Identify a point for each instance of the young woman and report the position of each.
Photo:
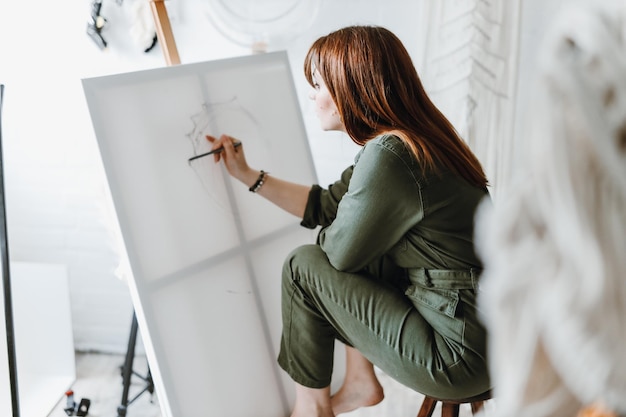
(394, 273)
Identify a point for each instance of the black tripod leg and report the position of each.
(127, 370)
(149, 381)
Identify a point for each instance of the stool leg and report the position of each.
(477, 406)
(427, 408)
(449, 410)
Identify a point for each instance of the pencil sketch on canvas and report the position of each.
(208, 120)
(205, 253)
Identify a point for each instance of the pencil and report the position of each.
(218, 150)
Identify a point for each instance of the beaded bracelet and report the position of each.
(259, 182)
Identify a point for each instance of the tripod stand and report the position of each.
(128, 372)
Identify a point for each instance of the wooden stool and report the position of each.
(450, 408)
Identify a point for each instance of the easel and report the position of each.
(164, 32)
(165, 37)
(127, 372)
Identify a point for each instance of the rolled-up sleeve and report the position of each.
(381, 204)
(321, 207)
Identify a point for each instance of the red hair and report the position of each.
(374, 84)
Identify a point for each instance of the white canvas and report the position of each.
(205, 253)
(44, 342)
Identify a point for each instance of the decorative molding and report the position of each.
(470, 71)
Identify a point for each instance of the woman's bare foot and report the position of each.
(356, 394)
(312, 402)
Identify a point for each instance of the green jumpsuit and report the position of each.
(394, 274)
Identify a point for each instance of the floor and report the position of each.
(98, 378)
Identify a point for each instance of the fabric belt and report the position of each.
(450, 279)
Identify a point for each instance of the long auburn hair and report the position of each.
(374, 84)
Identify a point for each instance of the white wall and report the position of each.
(536, 16)
(58, 204)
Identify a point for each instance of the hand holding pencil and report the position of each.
(289, 196)
(230, 150)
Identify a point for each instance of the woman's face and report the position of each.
(324, 105)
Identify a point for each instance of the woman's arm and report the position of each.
(382, 203)
(289, 196)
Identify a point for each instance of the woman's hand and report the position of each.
(234, 158)
(289, 196)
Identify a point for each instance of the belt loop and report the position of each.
(474, 275)
(427, 280)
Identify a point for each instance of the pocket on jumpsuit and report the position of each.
(439, 308)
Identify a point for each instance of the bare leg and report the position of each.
(360, 388)
(312, 402)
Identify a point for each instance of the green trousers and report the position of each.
(435, 351)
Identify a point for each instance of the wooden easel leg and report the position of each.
(164, 32)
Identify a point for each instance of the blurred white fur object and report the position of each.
(554, 286)
(142, 30)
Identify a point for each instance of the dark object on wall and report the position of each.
(96, 24)
(155, 40)
(6, 279)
